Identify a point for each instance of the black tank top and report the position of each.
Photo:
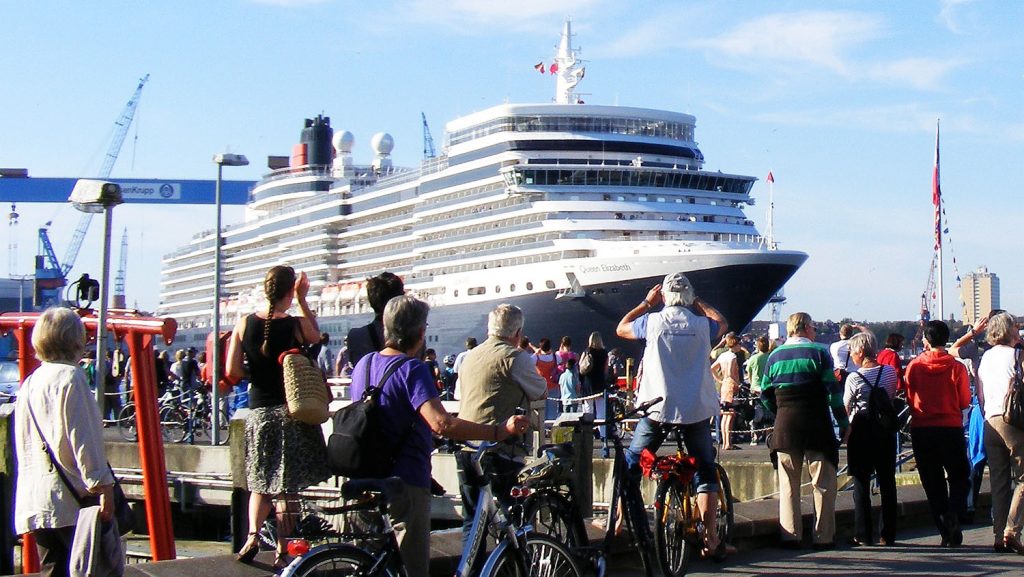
(266, 376)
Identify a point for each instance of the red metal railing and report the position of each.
(139, 333)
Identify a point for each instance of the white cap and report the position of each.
(678, 283)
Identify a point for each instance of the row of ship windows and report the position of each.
(482, 189)
(503, 203)
(482, 290)
(633, 177)
(577, 124)
(490, 226)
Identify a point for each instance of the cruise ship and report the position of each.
(571, 211)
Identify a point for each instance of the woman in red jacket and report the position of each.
(938, 390)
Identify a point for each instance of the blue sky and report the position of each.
(838, 99)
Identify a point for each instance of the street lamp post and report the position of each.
(221, 160)
(96, 196)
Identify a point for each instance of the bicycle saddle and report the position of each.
(390, 487)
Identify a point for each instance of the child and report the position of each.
(569, 384)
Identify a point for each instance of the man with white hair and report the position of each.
(496, 379)
(677, 368)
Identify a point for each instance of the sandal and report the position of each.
(249, 550)
(282, 560)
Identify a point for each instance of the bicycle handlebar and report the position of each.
(641, 409)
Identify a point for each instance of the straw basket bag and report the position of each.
(305, 390)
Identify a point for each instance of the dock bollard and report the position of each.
(239, 485)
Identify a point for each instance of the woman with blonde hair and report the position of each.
(56, 409)
(594, 376)
(1004, 443)
(282, 455)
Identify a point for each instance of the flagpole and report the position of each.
(771, 211)
(937, 199)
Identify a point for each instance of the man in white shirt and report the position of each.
(677, 368)
(840, 349)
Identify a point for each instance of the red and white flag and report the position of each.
(554, 68)
(937, 192)
(540, 67)
(771, 178)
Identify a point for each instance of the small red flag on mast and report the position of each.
(540, 67)
(771, 178)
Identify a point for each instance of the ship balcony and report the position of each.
(508, 247)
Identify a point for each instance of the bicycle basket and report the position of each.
(554, 468)
(652, 465)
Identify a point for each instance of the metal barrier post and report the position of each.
(151, 446)
(21, 326)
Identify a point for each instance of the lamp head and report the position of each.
(228, 159)
(95, 195)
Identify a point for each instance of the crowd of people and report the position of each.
(810, 400)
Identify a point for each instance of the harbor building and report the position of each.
(980, 294)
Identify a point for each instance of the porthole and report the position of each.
(512, 288)
(456, 293)
(550, 284)
(497, 288)
(529, 286)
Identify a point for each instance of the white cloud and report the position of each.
(519, 14)
(948, 16)
(921, 73)
(821, 39)
(901, 118)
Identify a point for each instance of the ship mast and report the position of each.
(567, 69)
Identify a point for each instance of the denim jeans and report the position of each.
(651, 434)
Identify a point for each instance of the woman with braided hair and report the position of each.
(282, 455)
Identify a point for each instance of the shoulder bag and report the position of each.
(123, 514)
(1013, 403)
(305, 389)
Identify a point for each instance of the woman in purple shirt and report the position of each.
(412, 413)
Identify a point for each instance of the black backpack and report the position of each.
(357, 449)
(880, 409)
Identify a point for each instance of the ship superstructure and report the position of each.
(570, 210)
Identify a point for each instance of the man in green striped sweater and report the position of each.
(799, 386)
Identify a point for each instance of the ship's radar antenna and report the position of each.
(567, 68)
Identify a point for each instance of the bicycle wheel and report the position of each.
(173, 424)
(545, 557)
(126, 423)
(674, 527)
(724, 523)
(334, 560)
(551, 514)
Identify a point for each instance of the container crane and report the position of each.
(121, 127)
(51, 274)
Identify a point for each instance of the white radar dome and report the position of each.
(343, 142)
(382, 143)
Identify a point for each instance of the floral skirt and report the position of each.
(282, 455)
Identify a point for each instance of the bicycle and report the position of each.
(518, 553)
(550, 508)
(126, 423)
(678, 524)
(189, 415)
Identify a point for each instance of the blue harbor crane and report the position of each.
(428, 140)
(51, 274)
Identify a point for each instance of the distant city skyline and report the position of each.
(838, 100)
